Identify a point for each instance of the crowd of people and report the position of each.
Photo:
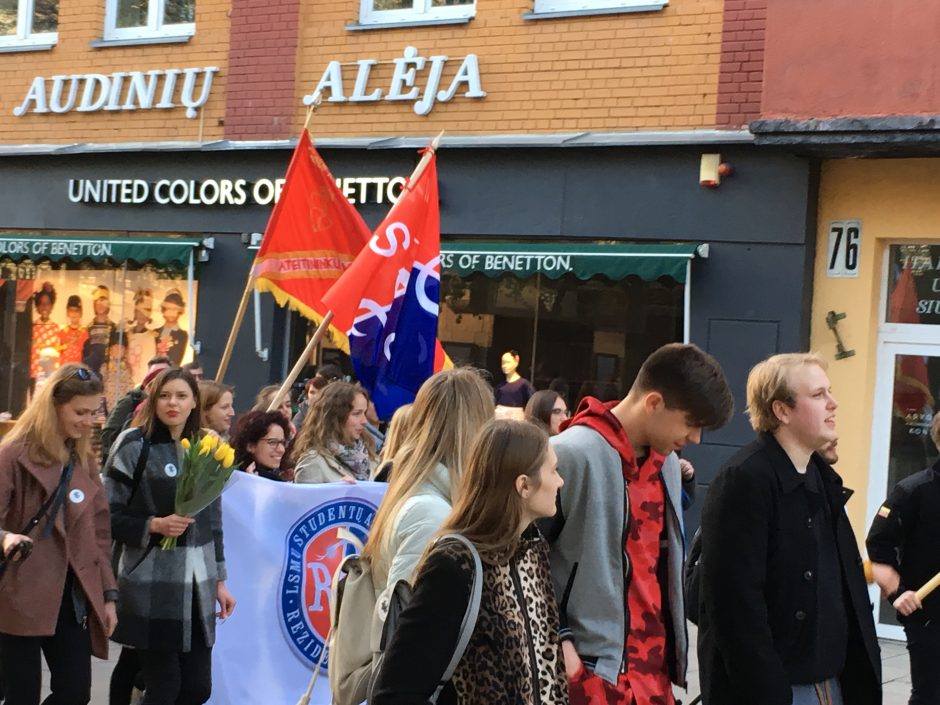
(572, 550)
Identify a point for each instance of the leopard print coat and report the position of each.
(514, 656)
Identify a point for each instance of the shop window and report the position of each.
(588, 336)
(146, 19)
(112, 316)
(596, 6)
(913, 291)
(395, 11)
(28, 22)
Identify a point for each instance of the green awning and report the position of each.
(584, 260)
(171, 251)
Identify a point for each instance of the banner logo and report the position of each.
(316, 545)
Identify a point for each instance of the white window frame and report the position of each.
(25, 37)
(422, 11)
(153, 29)
(589, 6)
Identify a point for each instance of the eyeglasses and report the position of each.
(561, 412)
(274, 442)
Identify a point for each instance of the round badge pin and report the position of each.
(170, 470)
(76, 496)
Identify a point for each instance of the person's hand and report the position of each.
(572, 660)
(172, 526)
(225, 599)
(887, 578)
(349, 479)
(11, 540)
(907, 603)
(688, 471)
(110, 618)
(251, 468)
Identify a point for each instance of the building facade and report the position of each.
(581, 221)
(865, 109)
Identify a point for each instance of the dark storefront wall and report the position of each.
(748, 299)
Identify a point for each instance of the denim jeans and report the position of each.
(810, 694)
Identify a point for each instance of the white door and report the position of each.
(908, 380)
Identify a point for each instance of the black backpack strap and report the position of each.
(140, 466)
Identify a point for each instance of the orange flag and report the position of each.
(312, 237)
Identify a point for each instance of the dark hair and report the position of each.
(560, 385)
(158, 360)
(329, 372)
(74, 301)
(251, 428)
(194, 364)
(539, 408)
(46, 291)
(689, 379)
(150, 422)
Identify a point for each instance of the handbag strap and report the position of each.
(469, 618)
(53, 501)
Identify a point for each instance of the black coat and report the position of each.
(758, 589)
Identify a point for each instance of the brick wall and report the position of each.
(262, 62)
(81, 22)
(740, 78)
(633, 71)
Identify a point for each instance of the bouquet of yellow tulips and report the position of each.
(207, 465)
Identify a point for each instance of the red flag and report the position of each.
(911, 382)
(312, 237)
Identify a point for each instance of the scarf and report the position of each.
(354, 457)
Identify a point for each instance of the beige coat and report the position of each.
(313, 468)
(31, 590)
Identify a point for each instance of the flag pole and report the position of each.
(425, 159)
(249, 285)
(302, 360)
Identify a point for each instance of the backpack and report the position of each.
(691, 577)
(362, 622)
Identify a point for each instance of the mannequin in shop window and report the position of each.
(100, 330)
(513, 394)
(73, 335)
(115, 373)
(171, 341)
(45, 331)
(141, 339)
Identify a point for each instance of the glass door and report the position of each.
(907, 394)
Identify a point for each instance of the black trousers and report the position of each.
(923, 647)
(124, 677)
(178, 678)
(68, 655)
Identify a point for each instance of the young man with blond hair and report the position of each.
(784, 614)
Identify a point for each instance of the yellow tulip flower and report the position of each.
(229, 459)
(220, 453)
(212, 440)
(185, 443)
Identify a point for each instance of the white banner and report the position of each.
(281, 549)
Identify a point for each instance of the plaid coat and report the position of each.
(162, 592)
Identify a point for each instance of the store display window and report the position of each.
(110, 303)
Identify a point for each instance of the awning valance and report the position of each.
(171, 251)
(583, 260)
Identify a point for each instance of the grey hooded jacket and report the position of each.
(589, 530)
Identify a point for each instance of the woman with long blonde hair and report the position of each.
(514, 652)
(398, 432)
(56, 544)
(448, 411)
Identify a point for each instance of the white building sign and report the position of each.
(414, 78)
(130, 90)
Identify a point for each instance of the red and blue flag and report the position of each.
(387, 302)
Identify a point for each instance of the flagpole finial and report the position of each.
(436, 142)
(313, 102)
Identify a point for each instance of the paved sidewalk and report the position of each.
(897, 681)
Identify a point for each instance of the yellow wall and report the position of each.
(632, 71)
(896, 200)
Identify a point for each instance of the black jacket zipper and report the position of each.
(517, 583)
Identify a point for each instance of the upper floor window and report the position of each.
(382, 11)
(27, 22)
(590, 6)
(143, 19)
